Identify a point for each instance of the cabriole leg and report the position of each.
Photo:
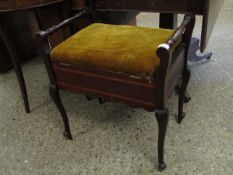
(162, 119)
(54, 93)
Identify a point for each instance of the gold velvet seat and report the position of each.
(120, 48)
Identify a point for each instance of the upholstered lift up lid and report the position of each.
(118, 48)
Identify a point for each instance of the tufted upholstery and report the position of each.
(119, 48)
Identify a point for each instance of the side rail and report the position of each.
(61, 25)
(165, 51)
(43, 44)
(183, 32)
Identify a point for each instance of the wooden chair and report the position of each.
(97, 61)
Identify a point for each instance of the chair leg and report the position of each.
(54, 93)
(185, 80)
(162, 119)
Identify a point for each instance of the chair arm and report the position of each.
(183, 32)
(61, 25)
(43, 44)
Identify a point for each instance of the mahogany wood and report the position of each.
(168, 6)
(135, 91)
(162, 119)
(16, 5)
(109, 85)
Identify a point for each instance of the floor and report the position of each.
(115, 139)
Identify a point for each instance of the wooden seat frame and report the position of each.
(111, 86)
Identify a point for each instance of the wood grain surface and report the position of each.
(9, 5)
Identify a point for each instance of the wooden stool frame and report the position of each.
(135, 92)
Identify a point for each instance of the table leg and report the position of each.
(168, 20)
(17, 66)
(194, 47)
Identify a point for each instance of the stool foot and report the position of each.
(162, 166)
